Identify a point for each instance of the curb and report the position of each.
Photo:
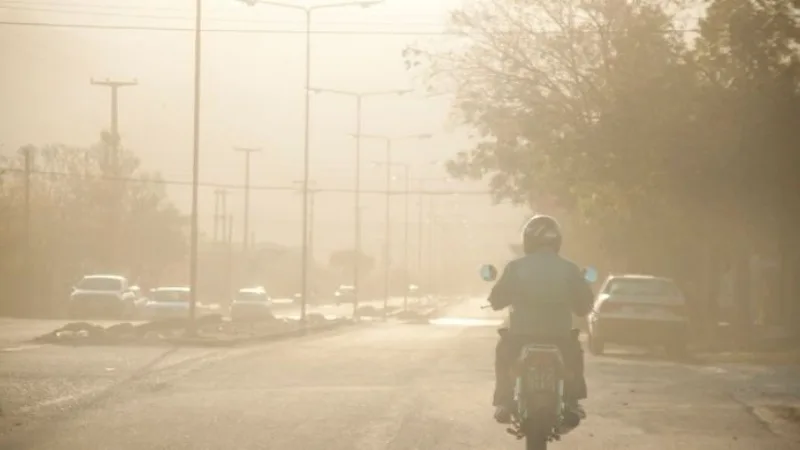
(198, 341)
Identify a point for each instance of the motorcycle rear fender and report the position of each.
(540, 354)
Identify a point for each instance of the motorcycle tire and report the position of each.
(536, 438)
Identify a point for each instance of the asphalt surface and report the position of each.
(374, 386)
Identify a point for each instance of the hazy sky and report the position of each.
(252, 96)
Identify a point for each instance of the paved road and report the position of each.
(378, 386)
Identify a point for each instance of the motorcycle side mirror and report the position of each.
(590, 274)
(488, 272)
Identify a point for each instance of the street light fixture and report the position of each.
(359, 96)
(308, 10)
(388, 162)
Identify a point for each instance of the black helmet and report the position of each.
(541, 232)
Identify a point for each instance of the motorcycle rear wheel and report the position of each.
(536, 437)
(535, 442)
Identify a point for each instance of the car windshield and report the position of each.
(650, 287)
(100, 284)
(248, 296)
(170, 296)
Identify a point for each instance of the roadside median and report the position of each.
(209, 331)
(423, 313)
(417, 312)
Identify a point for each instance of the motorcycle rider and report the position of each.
(543, 290)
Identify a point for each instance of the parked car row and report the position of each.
(115, 297)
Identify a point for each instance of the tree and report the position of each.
(85, 216)
(659, 149)
(749, 67)
(560, 94)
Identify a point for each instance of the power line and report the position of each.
(58, 8)
(275, 188)
(136, 15)
(72, 4)
(226, 30)
(89, 26)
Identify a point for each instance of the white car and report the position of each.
(639, 310)
(173, 302)
(110, 296)
(345, 294)
(251, 304)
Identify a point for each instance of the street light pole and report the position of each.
(359, 96)
(389, 163)
(308, 10)
(312, 192)
(421, 221)
(406, 216)
(388, 232)
(420, 240)
(406, 279)
(246, 221)
(306, 174)
(407, 193)
(431, 243)
(195, 171)
(357, 211)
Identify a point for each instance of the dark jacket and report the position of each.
(543, 290)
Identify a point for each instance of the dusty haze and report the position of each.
(252, 96)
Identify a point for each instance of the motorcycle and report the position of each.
(539, 373)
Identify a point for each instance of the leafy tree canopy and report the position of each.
(650, 131)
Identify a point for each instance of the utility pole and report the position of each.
(217, 199)
(224, 212)
(420, 237)
(312, 194)
(311, 207)
(246, 221)
(229, 239)
(406, 279)
(114, 138)
(220, 215)
(431, 248)
(357, 212)
(387, 245)
(112, 161)
(27, 152)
